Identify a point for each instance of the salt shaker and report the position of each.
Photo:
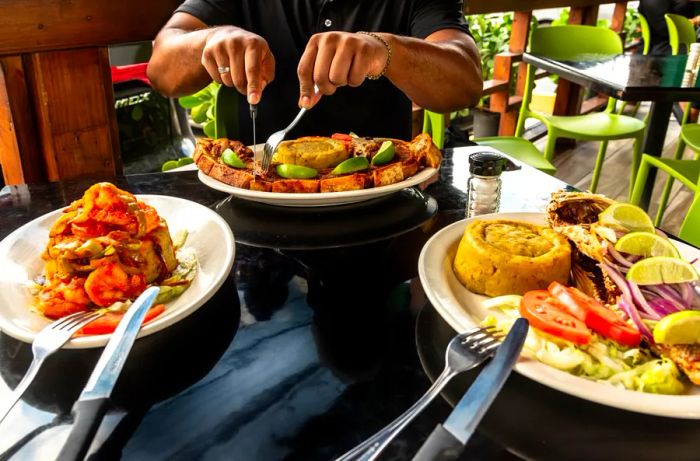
(484, 184)
(691, 67)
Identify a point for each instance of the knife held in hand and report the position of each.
(447, 441)
(91, 406)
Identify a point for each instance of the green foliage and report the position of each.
(491, 33)
(632, 27)
(201, 106)
(563, 18)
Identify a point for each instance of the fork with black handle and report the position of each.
(464, 352)
(46, 342)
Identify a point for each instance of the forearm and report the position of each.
(176, 69)
(441, 75)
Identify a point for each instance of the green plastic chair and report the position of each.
(518, 148)
(680, 32)
(686, 171)
(646, 39)
(646, 33)
(521, 149)
(569, 43)
(434, 125)
(690, 229)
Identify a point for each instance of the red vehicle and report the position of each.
(152, 129)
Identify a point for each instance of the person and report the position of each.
(370, 59)
(654, 11)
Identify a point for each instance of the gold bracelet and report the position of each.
(388, 57)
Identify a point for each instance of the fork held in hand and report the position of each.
(464, 352)
(46, 342)
(277, 137)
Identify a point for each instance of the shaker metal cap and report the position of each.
(486, 164)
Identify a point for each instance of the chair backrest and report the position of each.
(646, 33)
(434, 125)
(566, 43)
(690, 230)
(680, 32)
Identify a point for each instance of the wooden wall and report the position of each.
(57, 116)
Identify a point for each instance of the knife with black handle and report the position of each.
(91, 406)
(447, 441)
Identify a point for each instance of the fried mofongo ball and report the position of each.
(499, 257)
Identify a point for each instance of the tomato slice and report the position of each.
(566, 298)
(341, 137)
(596, 316)
(546, 314)
(108, 322)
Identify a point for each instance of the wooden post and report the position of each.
(20, 153)
(502, 101)
(618, 17)
(75, 115)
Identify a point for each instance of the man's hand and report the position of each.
(334, 59)
(246, 55)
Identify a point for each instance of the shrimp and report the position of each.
(60, 298)
(110, 283)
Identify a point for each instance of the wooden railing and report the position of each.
(507, 103)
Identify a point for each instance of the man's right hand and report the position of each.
(246, 55)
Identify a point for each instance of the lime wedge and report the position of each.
(185, 161)
(661, 269)
(230, 158)
(646, 244)
(169, 165)
(291, 171)
(627, 217)
(385, 154)
(351, 165)
(678, 328)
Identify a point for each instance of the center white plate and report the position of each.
(20, 260)
(463, 310)
(317, 198)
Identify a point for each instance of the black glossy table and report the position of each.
(313, 343)
(631, 78)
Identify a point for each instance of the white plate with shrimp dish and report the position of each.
(101, 252)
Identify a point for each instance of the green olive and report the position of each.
(351, 165)
(291, 171)
(230, 158)
(385, 154)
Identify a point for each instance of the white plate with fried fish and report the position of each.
(463, 310)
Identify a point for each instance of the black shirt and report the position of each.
(376, 108)
(654, 11)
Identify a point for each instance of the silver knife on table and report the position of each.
(447, 441)
(91, 406)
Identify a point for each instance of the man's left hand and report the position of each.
(334, 59)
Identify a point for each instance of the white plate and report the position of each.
(462, 309)
(317, 198)
(20, 260)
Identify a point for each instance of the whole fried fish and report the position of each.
(575, 215)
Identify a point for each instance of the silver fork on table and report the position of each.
(464, 352)
(274, 140)
(46, 342)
